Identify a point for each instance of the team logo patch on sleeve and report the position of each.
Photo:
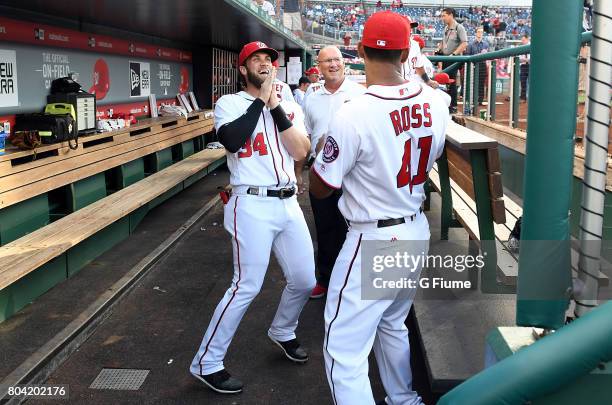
(331, 150)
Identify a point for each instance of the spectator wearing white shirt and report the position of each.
(266, 6)
(298, 94)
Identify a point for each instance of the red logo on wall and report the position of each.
(101, 79)
(184, 86)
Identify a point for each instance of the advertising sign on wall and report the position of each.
(8, 79)
(140, 79)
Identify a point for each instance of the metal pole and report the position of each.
(493, 90)
(512, 84)
(468, 86)
(471, 97)
(516, 80)
(475, 87)
(464, 85)
(544, 281)
(595, 161)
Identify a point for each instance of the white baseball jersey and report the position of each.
(320, 107)
(428, 66)
(313, 88)
(283, 90)
(298, 95)
(441, 91)
(263, 161)
(414, 61)
(382, 163)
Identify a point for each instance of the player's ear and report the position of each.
(243, 70)
(404, 55)
(360, 52)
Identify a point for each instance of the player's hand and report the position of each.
(433, 84)
(320, 144)
(273, 100)
(300, 183)
(266, 87)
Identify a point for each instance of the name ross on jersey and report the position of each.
(410, 117)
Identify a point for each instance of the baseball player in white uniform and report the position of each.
(315, 83)
(379, 149)
(427, 65)
(414, 67)
(263, 137)
(319, 109)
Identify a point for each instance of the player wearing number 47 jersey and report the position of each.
(379, 149)
(263, 137)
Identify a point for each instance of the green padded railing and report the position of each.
(543, 368)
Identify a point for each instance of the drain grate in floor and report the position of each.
(119, 379)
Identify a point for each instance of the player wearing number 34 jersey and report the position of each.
(379, 148)
(263, 136)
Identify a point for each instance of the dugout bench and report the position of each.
(468, 178)
(61, 208)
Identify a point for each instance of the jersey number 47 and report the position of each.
(404, 177)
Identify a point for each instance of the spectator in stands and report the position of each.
(524, 72)
(266, 6)
(454, 43)
(292, 17)
(347, 39)
(378, 4)
(479, 45)
(298, 93)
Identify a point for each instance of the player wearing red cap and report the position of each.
(379, 149)
(414, 67)
(313, 74)
(427, 65)
(262, 136)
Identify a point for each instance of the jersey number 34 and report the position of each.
(258, 144)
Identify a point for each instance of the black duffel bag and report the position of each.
(52, 128)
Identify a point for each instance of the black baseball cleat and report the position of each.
(292, 350)
(221, 382)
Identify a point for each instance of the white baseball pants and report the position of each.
(354, 326)
(258, 225)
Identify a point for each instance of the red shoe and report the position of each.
(318, 292)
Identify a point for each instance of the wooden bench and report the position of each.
(25, 174)
(468, 177)
(49, 226)
(29, 252)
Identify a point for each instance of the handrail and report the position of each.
(543, 367)
(502, 53)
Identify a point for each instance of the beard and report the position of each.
(254, 79)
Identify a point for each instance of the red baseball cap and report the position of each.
(443, 78)
(386, 30)
(419, 40)
(312, 71)
(256, 46)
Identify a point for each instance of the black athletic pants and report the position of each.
(331, 233)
